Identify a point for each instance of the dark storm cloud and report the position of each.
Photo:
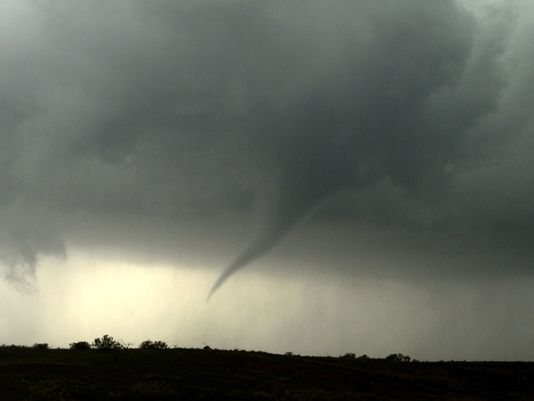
(186, 111)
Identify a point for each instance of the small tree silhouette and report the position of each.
(148, 344)
(80, 346)
(398, 358)
(106, 343)
(40, 346)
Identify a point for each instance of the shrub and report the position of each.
(80, 346)
(40, 346)
(106, 343)
(148, 344)
(348, 355)
(398, 358)
(12, 347)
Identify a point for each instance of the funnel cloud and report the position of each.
(357, 120)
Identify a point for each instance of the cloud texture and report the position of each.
(410, 116)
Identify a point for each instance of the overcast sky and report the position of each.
(342, 176)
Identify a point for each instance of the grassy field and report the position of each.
(196, 374)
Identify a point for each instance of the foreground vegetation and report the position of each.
(162, 373)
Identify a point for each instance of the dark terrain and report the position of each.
(196, 374)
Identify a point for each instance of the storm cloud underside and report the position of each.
(411, 116)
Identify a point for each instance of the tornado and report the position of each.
(300, 193)
(263, 243)
(355, 121)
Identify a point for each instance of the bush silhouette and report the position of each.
(148, 344)
(40, 346)
(106, 343)
(80, 346)
(348, 355)
(398, 358)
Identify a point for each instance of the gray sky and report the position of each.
(359, 171)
